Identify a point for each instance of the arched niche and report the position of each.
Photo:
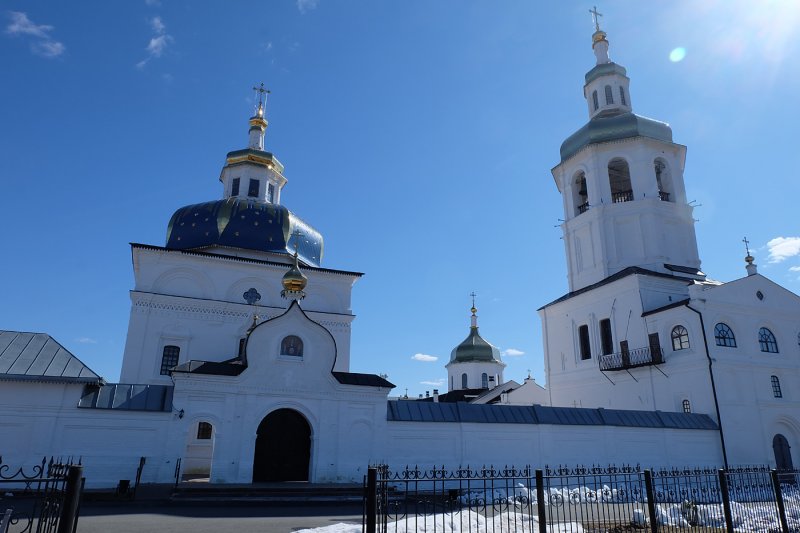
(619, 180)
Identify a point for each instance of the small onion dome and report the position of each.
(294, 280)
(749, 259)
(475, 349)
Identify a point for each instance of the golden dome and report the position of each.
(294, 280)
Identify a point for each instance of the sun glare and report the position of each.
(677, 54)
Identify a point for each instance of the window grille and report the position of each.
(724, 336)
(680, 338)
(766, 340)
(687, 406)
(776, 387)
(270, 192)
(484, 380)
(595, 100)
(622, 96)
(169, 359)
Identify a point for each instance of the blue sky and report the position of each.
(417, 136)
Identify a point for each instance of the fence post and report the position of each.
(372, 498)
(72, 500)
(776, 483)
(651, 501)
(726, 499)
(540, 502)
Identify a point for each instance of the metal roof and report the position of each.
(417, 411)
(39, 357)
(363, 380)
(128, 397)
(605, 128)
(475, 349)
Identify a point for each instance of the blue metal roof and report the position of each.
(606, 128)
(462, 412)
(39, 357)
(243, 223)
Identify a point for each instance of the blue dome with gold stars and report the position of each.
(243, 223)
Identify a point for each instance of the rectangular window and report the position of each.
(606, 341)
(242, 343)
(235, 187)
(169, 359)
(270, 192)
(252, 191)
(586, 347)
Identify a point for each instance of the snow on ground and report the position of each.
(457, 522)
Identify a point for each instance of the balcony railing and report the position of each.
(583, 207)
(622, 196)
(664, 196)
(632, 358)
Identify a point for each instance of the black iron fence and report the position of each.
(43, 498)
(581, 499)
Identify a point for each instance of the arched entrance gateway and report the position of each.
(283, 447)
(783, 455)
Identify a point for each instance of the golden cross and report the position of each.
(746, 245)
(262, 92)
(595, 18)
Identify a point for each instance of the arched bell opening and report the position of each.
(619, 178)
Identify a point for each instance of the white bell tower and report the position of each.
(621, 181)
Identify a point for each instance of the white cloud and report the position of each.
(86, 340)
(306, 5)
(794, 269)
(424, 357)
(158, 43)
(782, 248)
(43, 45)
(512, 352)
(437, 383)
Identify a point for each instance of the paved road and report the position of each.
(171, 518)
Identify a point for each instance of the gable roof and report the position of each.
(39, 357)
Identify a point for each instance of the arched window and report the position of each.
(687, 406)
(609, 95)
(776, 387)
(464, 381)
(169, 359)
(581, 195)
(484, 381)
(619, 177)
(595, 101)
(292, 345)
(680, 338)
(622, 96)
(585, 344)
(664, 181)
(204, 431)
(767, 341)
(782, 451)
(724, 336)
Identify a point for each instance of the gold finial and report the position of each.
(294, 281)
(748, 258)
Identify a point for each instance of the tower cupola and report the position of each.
(474, 363)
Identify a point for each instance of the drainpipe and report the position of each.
(713, 385)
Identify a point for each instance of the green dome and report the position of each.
(475, 349)
(612, 128)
